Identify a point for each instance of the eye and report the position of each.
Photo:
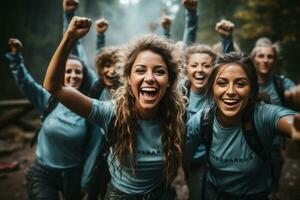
(221, 82)
(241, 84)
(194, 65)
(77, 71)
(206, 66)
(140, 70)
(68, 71)
(160, 72)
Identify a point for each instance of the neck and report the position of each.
(147, 114)
(228, 121)
(197, 90)
(263, 78)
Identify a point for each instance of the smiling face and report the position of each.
(231, 90)
(149, 80)
(108, 74)
(198, 70)
(264, 60)
(74, 73)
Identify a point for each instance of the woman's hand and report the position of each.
(225, 28)
(78, 27)
(101, 25)
(70, 5)
(15, 45)
(296, 128)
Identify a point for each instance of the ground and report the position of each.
(13, 186)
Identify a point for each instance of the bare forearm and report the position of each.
(54, 79)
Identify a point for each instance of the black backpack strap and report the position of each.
(279, 87)
(96, 89)
(251, 136)
(52, 103)
(207, 119)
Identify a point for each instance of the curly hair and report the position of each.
(171, 108)
(200, 48)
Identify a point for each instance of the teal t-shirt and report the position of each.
(196, 103)
(61, 139)
(149, 170)
(269, 89)
(238, 170)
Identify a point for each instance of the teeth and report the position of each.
(148, 89)
(230, 100)
(199, 76)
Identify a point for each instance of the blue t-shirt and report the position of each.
(63, 134)
(269, 89)
(149, 170)
(196, 103)
(238, 170)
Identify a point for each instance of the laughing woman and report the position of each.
(146, 115)
(238, 132)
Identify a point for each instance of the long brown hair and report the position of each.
(171, 109)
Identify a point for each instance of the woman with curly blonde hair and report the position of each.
(146, 116)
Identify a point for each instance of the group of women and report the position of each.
(150, 121)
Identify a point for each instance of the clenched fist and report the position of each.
(190, 4)
(165, 22)
(15, 45)
(101, 25)
(225, 28)
(70, 5)
(78, 27)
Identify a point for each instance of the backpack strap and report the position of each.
(96, 89)
(278, 84)
(52, 103)
(207, 119)
(253, 140)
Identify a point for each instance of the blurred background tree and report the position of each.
(39, 26)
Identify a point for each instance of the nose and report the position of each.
(231, 90)
(112, 71)
(149, 78)
(199, 68)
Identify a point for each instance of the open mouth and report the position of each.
(199, 77)
(149, 93)
(230, 102)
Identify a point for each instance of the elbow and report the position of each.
(52, 88)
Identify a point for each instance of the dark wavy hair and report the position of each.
(86, 81)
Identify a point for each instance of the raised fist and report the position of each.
(101, 25)
(225, 28)
(70, 5)
(190, 4)
(15, 45)
(165, 21)
(78, 27)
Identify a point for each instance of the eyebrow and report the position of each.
(238, 79)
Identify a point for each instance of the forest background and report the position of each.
(38, 24)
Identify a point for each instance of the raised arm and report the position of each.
(33, 91)
(69, 8)
(54, 79)
(101, 27)
(166, 22)
(225, 29)
(191, 18)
